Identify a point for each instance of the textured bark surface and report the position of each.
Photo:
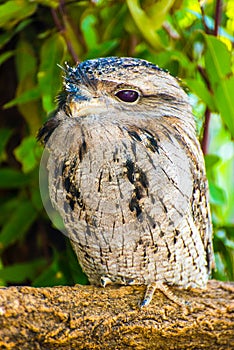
(88, 317)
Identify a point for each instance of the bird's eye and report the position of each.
(127, 95)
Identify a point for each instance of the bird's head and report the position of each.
(123, 88)
(122, 84)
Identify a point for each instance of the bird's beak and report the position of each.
(82, 108)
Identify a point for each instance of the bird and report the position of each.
(126, 173)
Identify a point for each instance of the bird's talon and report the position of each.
(105, 281)
(145, 302)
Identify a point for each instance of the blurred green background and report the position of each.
(192, 39)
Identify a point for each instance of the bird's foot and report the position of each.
(165, 290)
(104, 281)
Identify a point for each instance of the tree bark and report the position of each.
(88, 317)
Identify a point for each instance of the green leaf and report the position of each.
(10, 178)
(224, 100)
(102, 49)
(36, 198)
(28, 153)
(211, 160)
(223, 248)
(4, 56)
(49, 3)
(221, 270)
(224, 176)
(181, 58)
(217, 60)
(222, 235)
(77, 274)
(64, 270)
(54, 274)
(18, 224)
(20, 272)
(158, 11)
(219, 70)
(217, 194)
(146, 25)
(71, 35)
(6, 208)
(89, 31)
(13, 12)
(49, 76)
(25, 59)
(200, 89)
(7, 36)
(27, 96)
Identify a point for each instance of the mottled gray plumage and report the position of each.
(127, 175)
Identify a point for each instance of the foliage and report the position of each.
(193, 42)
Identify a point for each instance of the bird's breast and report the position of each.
(116, 180)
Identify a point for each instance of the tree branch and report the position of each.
(88, 317)
(218, 13)
(205, 139)
(61, 27)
